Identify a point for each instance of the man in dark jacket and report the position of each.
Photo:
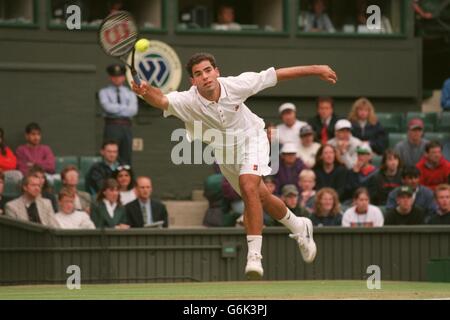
(104, 169)
(145, 210)
(323, 123)
(405, 213)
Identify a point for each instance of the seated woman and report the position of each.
(366, 127)
(329, 171)
(108, 211)
(387, 178)
(362, 214)
(68, 217)
(8, 162)
(306, 185)
(125, 177)
(327, 209)
(70, 178)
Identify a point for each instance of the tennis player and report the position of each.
(218, 103)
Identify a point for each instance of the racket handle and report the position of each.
(136, 78)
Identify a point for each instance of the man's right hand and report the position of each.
(141, 90)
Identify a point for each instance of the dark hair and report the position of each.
(128, 169)
(197, 58)
(390, 153)
(410, 172)
(38, 169)
(319, 161)
(2, 143)
(26, 179)
(359, 192)
(108, 184)
(108, 142)
(33, 126)
(431, 145)
(325, 99)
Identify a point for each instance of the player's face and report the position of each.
(144, 188)
(434, 155)
(111, 194)
(71, 178)
(67, 204)
(443, 200)
(362, 203)
(34, 137)
(307, 184)
(204, 77)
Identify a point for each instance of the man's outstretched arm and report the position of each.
(323, 72)
(152, 95)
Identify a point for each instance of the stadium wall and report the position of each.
(52, 76)
(31, 254)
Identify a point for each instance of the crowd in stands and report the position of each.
(327, 173)
(114, 198)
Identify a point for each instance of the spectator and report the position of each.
(361, 19)
(329, 170)
(68, 217)
(34, 153)
(442, 194)
(108, 212)
(46, 190)
(307, 149)
(306, 184)
(434, 168)
(412, 149)
(387, 178)
(104, 169)
(366, 127)
(145, 210)
(290, 166)
(270, 130)
(289, 195)
(226, 19)
(327, 209)
(445, 95)
(3, 199)
(422, 196)
(324, 121)
(8, 160)
(119, 105)
(405, 213)
(345, 143)
(318, 20)
(362, 214)
(31, 206)
(125, 177)
(70, 178)
(289, 130)
(363, 171)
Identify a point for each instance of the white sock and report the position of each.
(254, 244)
(291, 221)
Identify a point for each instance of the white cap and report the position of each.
(289, 147)
(342, 124)
(287, 106)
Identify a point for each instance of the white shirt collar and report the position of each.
(206, 102)
(110, 207)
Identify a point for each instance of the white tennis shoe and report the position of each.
(254, 269)
(304, 238)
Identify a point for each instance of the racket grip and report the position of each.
(136, 78)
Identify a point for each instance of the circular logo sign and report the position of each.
(159, 65)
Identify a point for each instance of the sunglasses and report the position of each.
(123, 167)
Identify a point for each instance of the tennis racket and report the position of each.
(117, 37)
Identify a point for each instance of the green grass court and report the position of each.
(274, 290)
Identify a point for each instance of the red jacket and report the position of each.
(8, 161)
(432, 177)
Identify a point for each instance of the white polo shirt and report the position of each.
(230, 116)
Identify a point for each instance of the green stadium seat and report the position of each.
(57, 185)
(395, 138)
(63, 161)
(443, 124)
(439, 136)
(376, 160)
(86, 162)
(392, 122)
(430, 119)
(11, 189)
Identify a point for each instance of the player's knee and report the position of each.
(249, 189)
